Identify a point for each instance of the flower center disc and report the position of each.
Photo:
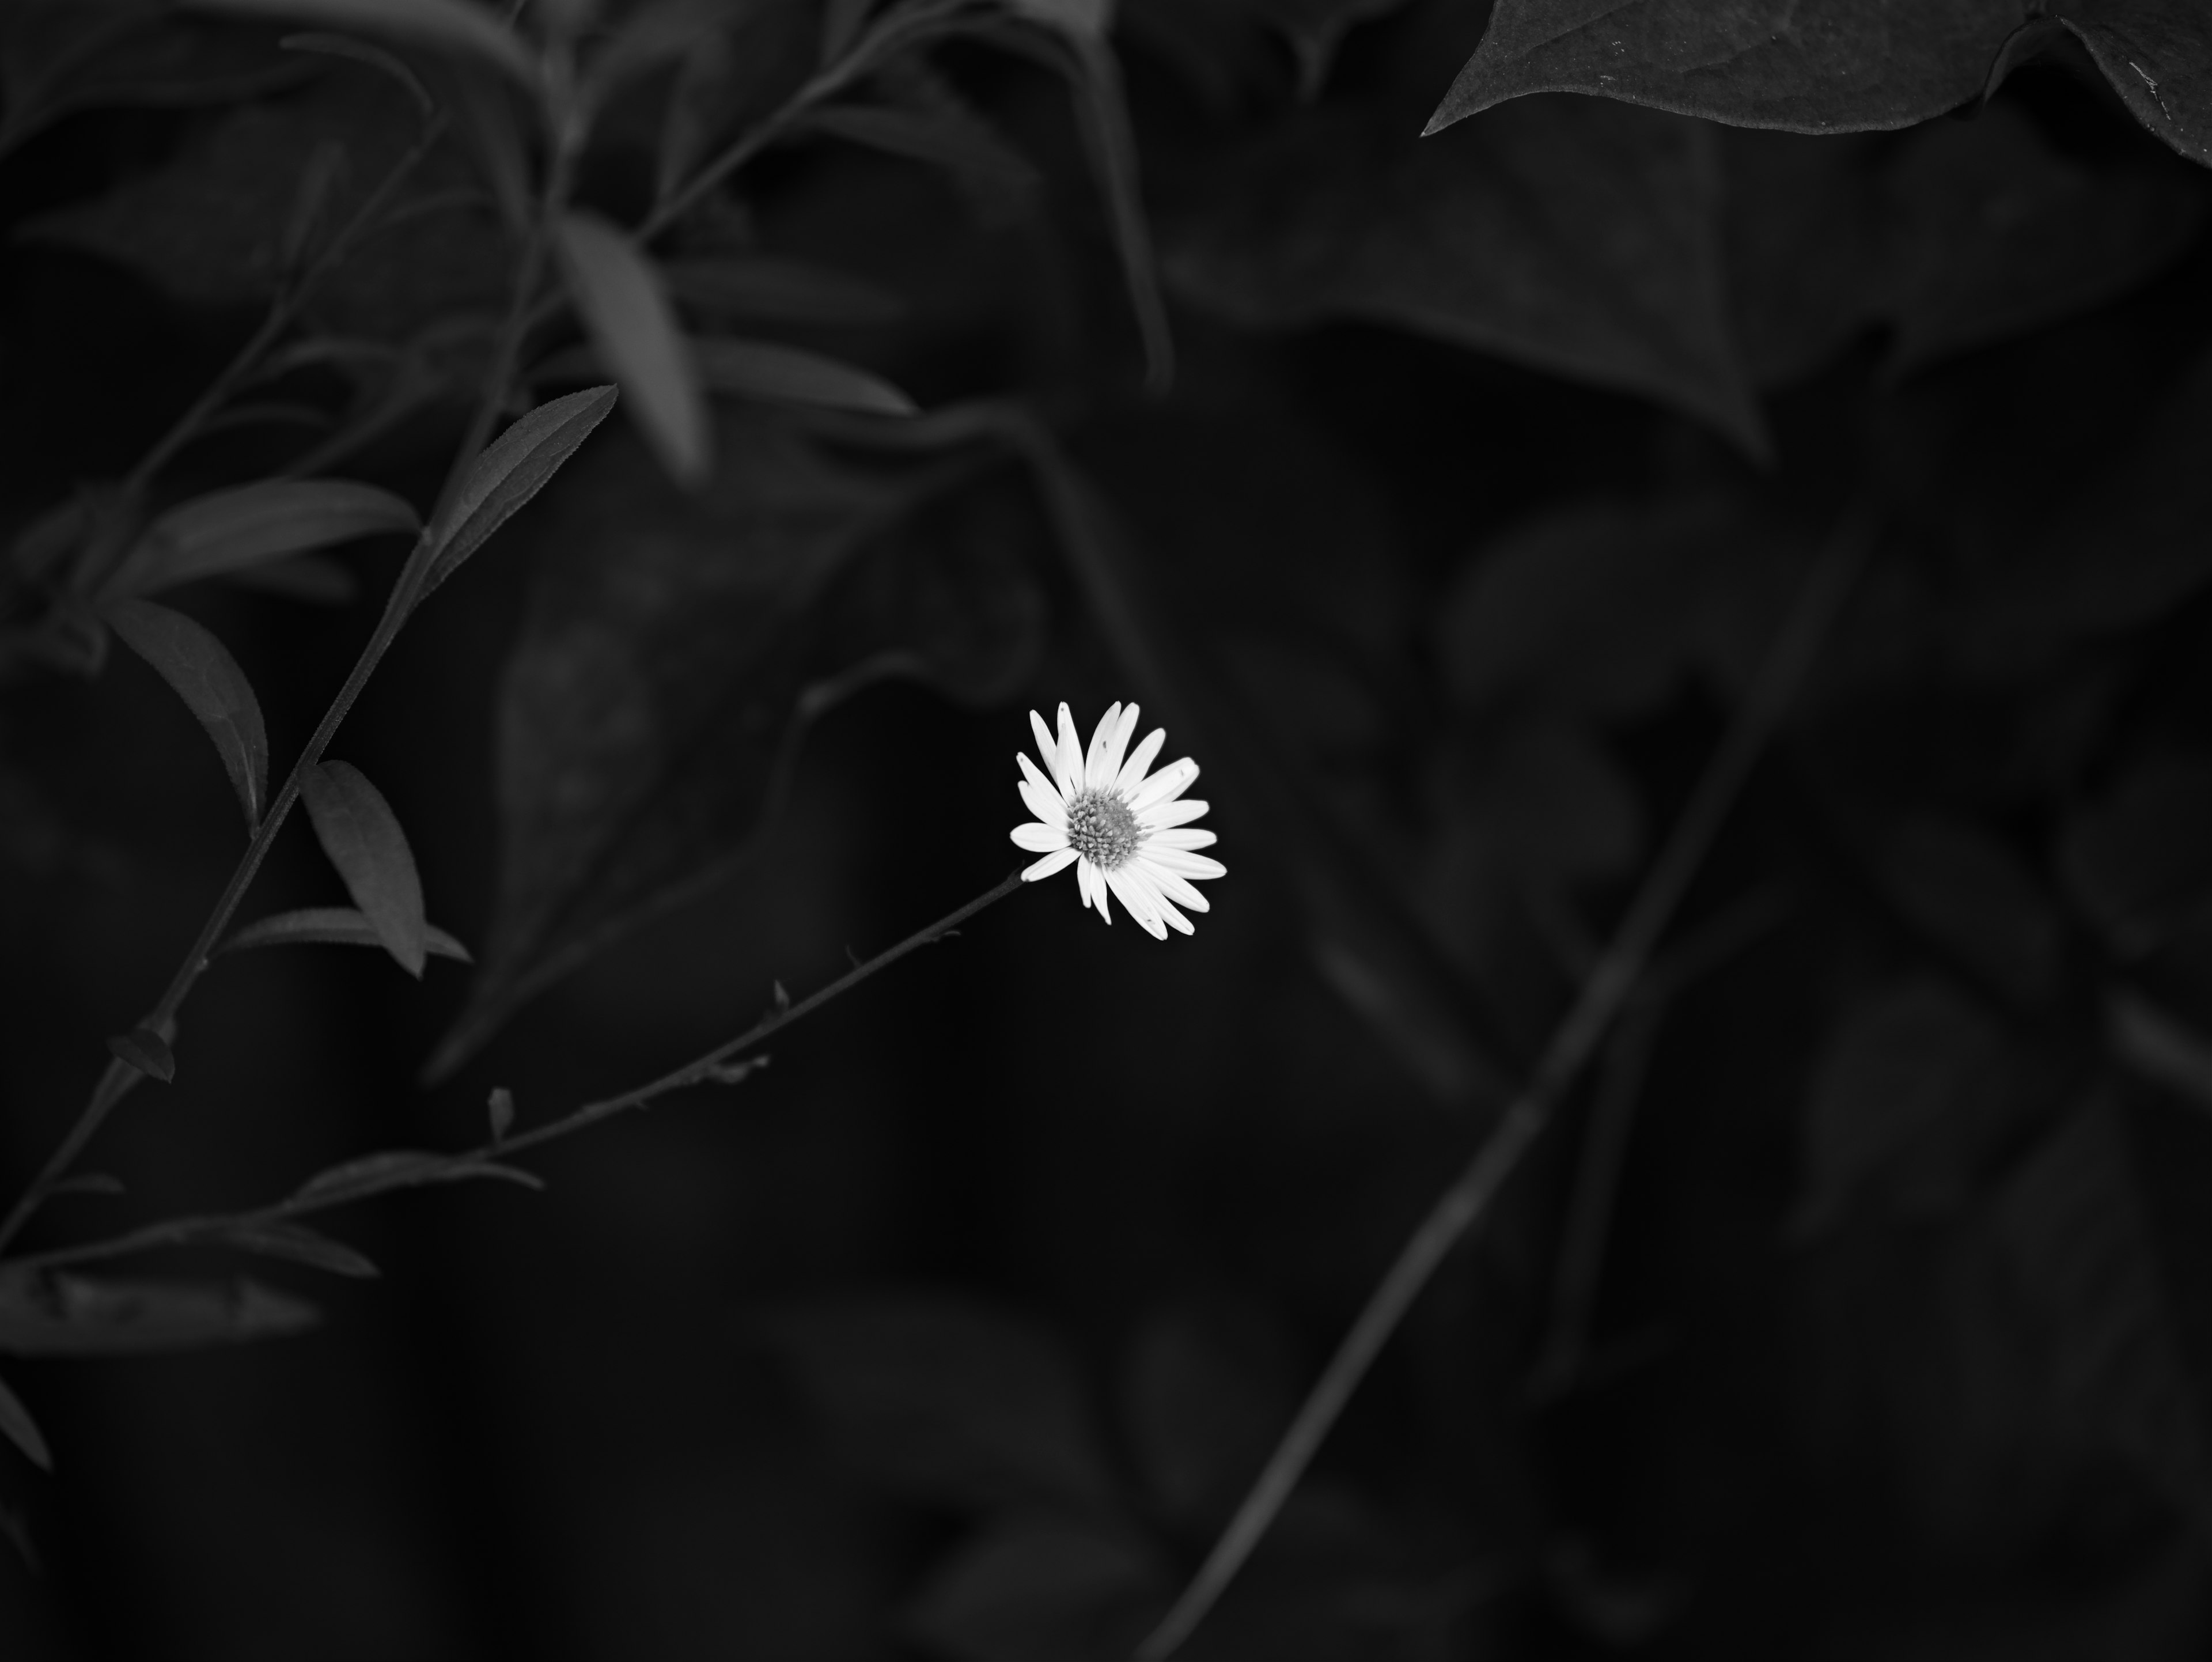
(1101, 829)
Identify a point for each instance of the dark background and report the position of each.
(959, 1330)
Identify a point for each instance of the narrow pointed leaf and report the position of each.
(759, 287)
(408, 1168)
(450, 23)
(626, 309)
(361, 835)
(787, 374)
(230, 530)
(21, 1429)
(499, 1106)
(143, 1049)
(86, 1318)
(207, 679)
(297, 1243)
(511, 470)
(335, 926)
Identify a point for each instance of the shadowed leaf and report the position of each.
(207, 679)
(229, 530)
(298, 1244)
(335, 926)
(1039, 1587)
(786, 375)
(763, 289)
(145, 1050)
(408, 1168)
(457, 25)
(626, 308)
(80, 1316)
(21, 1429)
(513, 468)
(362, 837)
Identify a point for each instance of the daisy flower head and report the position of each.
(1124, 830)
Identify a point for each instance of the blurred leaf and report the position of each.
(513, 468)
(786, 375)
(675, 652)
(251, 525)
(764, 288)
(947, 1401)
(1826, 66)
(407, 1168)
(626, 309)
(362, 837)
(1972, 893)
(499, 1110)
(207, 679)
(457, 25)
(1957, 235)
(932, 122)
(1905, 1096)
(336, 925)
(80, 1316)
(21, 1429)
(1205, 1393)
(88, 1183)
(1572, 235)
(2159, 1047)
(1041, 1588)
(298, 1244)
(58, 57)
(146, 1050)
(2086, 1276)
(207, 228)
(2139, 861)
(310, 578)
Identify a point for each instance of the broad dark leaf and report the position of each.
(364, 840)
(251, 525)
(146, 1050)
(335, 926)
(207, 679)
(676, 650)
(297, 1243)
(1573, 236)
(81, 1317)
(21, 1429)
(407, 1168)
(454, 25)
(932, 123)
(761, 288)
(625, 306)
(1826, 66)
(1041, 1587)
(209, 226)
(1956, 236)
(513, 468)
(776, 374)
(948, 1401)
(2139, 860)
(1902, 1099)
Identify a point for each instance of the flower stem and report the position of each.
(1572, 1044)
(715, 1067)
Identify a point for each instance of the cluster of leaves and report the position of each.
(1493, 456)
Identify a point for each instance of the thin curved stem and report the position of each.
(1572, 1045)
(715, 1067)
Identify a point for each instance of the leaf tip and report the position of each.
(143, 1049)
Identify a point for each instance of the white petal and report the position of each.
(1039, 839)
(1068, 768)
(1169, 783)
(1036, 775)
(1132, 771)
(1186, 865)
(1043, 801)
(1134, 897)
(1095, 771)
(1197, 836)
(1146, 882)
(1059, 860)
(1171, 917)
(1172, 884)
(1118, 752)
(1094, 889)
(1049, 748)
(1181, 811)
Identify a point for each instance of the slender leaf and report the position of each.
(513, 469)
(297, 1243)
(207, 679)
(408, 1168)
(499, 1108)
(761, 288)
(363, 838)
(88, 1183)
(626, 309)
(315, 579)
(145, 1050)
(334, 926)
(787, 374)
(229, 531)
(1039, 1585)
(454, 24)
(21, 1429)
(86, 1318)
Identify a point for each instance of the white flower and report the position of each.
(1118, 828)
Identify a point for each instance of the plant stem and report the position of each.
(1572, 1044)
(120, 1076)
(700, 1070)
